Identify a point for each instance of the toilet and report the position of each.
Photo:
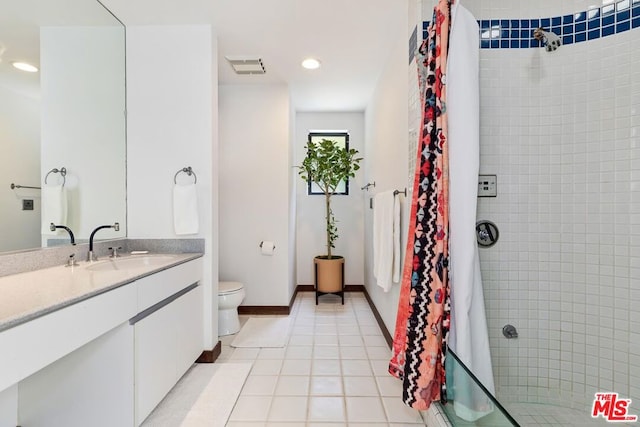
(230, 295)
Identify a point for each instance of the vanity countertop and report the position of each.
(26, 296)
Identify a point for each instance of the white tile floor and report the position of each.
(534, 415)
(333, 372)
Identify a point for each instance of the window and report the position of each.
(341, 139)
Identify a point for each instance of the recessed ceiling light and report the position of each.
(311, 63)
(25, 67)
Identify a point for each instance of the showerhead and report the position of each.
(549, 39)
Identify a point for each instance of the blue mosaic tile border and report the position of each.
(607, 20)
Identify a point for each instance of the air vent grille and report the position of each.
(244, 65)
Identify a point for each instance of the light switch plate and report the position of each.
(27, 204)
(487, 185)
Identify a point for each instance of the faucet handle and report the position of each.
(71, 262)
(114, 252)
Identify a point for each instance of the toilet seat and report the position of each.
(229, 287)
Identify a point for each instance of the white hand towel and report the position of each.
(396, 239)
(185, 209)
(54, 207)
(383, 208)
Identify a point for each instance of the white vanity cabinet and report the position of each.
(90, 387)
(168, 333)
(107, 360)
(74, 366)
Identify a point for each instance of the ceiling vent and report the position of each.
(246, 65)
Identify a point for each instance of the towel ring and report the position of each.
(188, 171)
(62, 171)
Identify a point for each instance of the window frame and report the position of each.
(313, 189)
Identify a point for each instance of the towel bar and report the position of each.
(395, 193)
(366, 187)
(23, 186)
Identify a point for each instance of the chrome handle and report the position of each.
(509, 332)
(71, 262)
(114, 252)
(487, 233)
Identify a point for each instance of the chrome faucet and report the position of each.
(91, 256)
(53, 227)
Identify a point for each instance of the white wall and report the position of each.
(386, 124)
(172, 118)
(19, 164)
(293, 205)
(83, 126)
(9, 406)
(254, 190)
(348, 210)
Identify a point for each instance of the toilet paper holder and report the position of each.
(274, 246)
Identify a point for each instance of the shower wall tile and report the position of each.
(561, 131)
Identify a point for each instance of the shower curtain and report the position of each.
(422, 322)
(438, 240)
(468, 337)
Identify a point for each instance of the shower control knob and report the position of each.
(487, 233)
(509, 332)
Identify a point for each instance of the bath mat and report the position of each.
(205, 396)
(263, 332)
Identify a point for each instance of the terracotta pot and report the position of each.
(329, 274)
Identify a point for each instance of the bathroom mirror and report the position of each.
(70, 113)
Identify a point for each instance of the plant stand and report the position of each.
(329, 276)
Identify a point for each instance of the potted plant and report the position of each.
(327, 164)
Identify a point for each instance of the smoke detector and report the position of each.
(246, 65)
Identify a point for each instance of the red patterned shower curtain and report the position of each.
(422, 323)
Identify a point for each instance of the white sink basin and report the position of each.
(131, 262)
